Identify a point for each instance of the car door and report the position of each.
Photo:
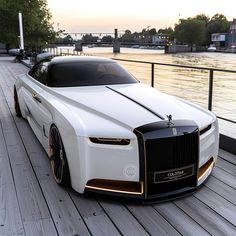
(34, 100)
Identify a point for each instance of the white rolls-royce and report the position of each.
(105, 132)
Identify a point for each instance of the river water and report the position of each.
(189, 84)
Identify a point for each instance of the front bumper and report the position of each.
(169, 160)
(135, 190)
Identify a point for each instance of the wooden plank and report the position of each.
(226, 166)
(227, 156)
(224, 176)
(181, 221)
(219, 204)
(205, 216)
(40, 228)
(94, 216)
(152, 221)
(30, 197)
(122, 218)
(10, 218)
(65, 215)
(38, 157)
(222, 189)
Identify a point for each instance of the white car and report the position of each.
(105, 132)
(14, 51)
(212, 48)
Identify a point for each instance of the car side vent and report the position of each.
(205, 130)
(111, 141)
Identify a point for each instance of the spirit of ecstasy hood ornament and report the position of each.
(169, 117)
(174, 130)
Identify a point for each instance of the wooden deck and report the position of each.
(31, 203)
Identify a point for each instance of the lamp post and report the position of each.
(21, 31)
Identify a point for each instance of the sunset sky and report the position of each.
(105, 15)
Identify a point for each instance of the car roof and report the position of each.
(68, 59)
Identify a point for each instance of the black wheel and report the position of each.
(58, 159)
(17, 105)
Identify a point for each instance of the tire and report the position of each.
(16, 104)
(58, 158)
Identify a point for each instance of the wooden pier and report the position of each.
(31, 203)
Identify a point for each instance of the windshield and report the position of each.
(86, 73)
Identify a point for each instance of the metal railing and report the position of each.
(152, 68)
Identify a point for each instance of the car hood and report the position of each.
(132, 105)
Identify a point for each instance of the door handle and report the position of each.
(36, 98)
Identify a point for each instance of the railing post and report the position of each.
(152, 78)
(210, 90)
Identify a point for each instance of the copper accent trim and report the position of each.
(203, 169)
(117, 186)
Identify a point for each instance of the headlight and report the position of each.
(111, 141)
(205, 129)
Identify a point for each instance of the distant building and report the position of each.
(160, 39)
(218, 39)
(227, 40)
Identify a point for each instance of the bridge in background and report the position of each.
(116, 43)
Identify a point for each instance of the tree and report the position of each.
(203, 17)
(217, 24)
(89, 38)
(107, 39)
(128, 32)
(127, 36)
(190, 31)
(38, 29)
(168, 30)
(152, 31)
(66, 39)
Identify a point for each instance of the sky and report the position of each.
(103, 16)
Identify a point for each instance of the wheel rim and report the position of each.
(56, 154)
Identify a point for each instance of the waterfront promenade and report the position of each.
(31, 203)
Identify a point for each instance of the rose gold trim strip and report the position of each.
(116, 191)
(205, 168)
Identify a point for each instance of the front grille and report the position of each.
(168, 150)
(171, 152)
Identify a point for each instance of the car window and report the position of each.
(39, 72)
(85, 73)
